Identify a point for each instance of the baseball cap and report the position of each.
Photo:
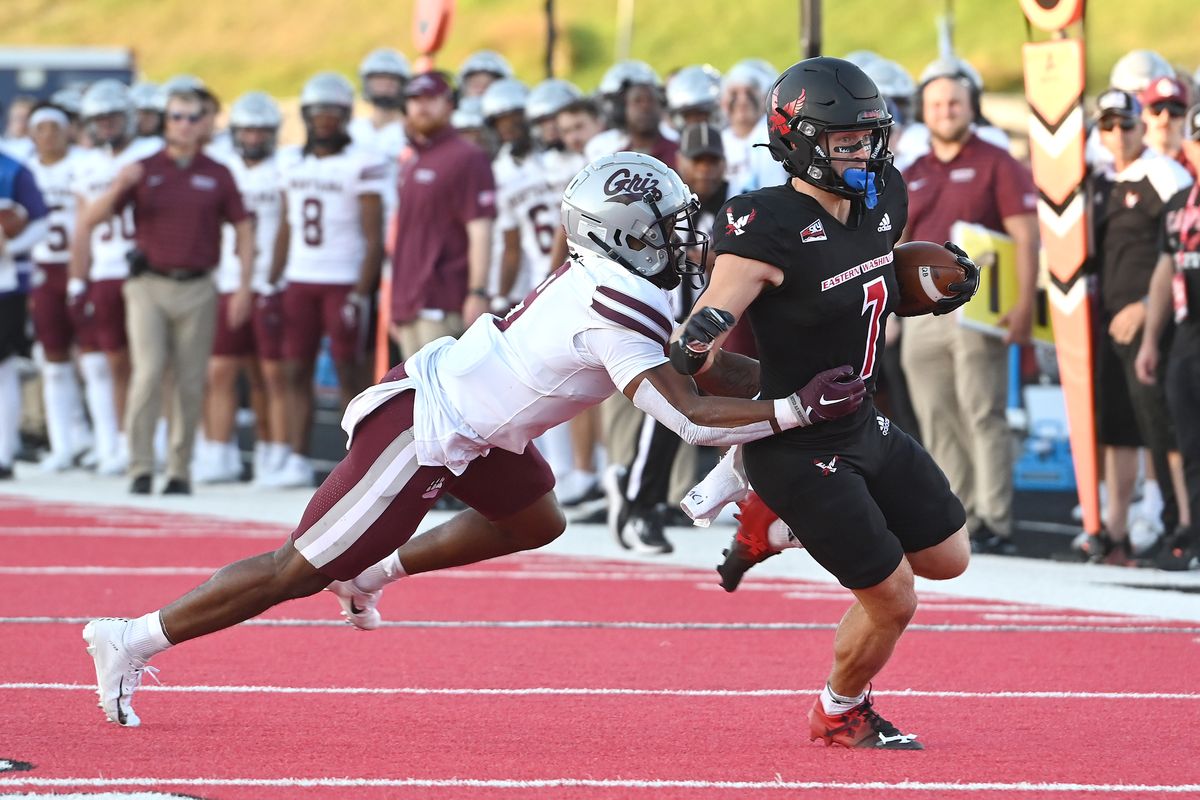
(1191, 125)
(1165, 90)
(427, 84)
(700, 139)
(1114, 102)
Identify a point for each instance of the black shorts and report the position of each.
(1128, 412)
(858, 501)
(14, 336)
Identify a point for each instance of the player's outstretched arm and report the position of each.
(734, 284)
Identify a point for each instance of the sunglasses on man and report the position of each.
(179, 116)
(1108, 123)
(1175, 110)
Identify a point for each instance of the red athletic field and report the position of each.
(553, 677)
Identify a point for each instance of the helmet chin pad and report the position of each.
(863, 180)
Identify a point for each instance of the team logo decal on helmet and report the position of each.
(624, 187)
(781, 116)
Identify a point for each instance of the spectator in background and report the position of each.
(639, 120)
(1176, 282)
(15, 141)
(20, 200)
(1132, 195)
(180, 198)
(743, 100)
(960, 399)
(443, 229)
(1164, 104)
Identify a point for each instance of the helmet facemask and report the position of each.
(810, 158)
(669, 236)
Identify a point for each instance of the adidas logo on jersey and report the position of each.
(813, 233)
(885, 224)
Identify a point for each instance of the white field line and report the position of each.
(536, 624)
(617, 783)
(543, 691)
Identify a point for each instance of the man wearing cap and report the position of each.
(1175, 294)
(1164, 104)
(960, 400)
(1131, 195)
(443, 226)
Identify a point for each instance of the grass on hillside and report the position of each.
(275, 44)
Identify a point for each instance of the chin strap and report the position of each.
(860, 179)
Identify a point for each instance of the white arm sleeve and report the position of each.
(650, 400)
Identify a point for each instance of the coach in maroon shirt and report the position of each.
(180, 199)
(960, 390)
(443, 225)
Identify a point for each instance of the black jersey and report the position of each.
(1180, 239)
(839, 282)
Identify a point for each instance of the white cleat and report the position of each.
(358, 607)
(118, 674)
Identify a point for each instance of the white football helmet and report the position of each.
(693, 88)
(108, 96)
(503, 97)
(255, 110)
(549, 97)
(627, 73)
(468, 115)
(484, 61)
(384, 61)
(328, 89)
(146, 96)
(1137, 69)
(636, 211)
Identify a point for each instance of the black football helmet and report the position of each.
(821, 95)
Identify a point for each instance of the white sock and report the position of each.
(145, 636)
(60, 393)
(10, 411)
(835, 704)
(101, 402)
(377, 576)
(1152, 500)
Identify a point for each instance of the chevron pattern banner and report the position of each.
(1054, 86)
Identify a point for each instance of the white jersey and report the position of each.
(528, 200)
(259, 186)
(748, 167)
(113, 238)
(389, 142)
(57, 182)
(327, 243)
(612, 140)
(590, 329)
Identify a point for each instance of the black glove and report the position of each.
(831, 394)
(963, 290)
(690, 351)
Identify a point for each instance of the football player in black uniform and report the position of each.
(811, 263)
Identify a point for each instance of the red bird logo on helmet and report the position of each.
(781, 122)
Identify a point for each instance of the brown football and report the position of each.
(12, 218)
(924, 271)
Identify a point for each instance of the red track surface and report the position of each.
(422, 726)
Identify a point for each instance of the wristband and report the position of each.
(790, 413)
(479, 291)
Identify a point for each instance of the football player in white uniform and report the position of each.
(693, 94)
(255, 347)
(743, 97)
(54, 165)
(99, 265)
(382, 75)
(480, 70)
(458, 417)
(151, 105)
(330, 240)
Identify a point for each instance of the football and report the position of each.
(924, 272)
(12, 218)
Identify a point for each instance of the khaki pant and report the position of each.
(170, 325)
(958, 379)
(413, 335)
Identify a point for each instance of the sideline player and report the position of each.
(811, 263)
(99, 265)
(331, 241)
(54, 165)
(458, 417)
(253, 347)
